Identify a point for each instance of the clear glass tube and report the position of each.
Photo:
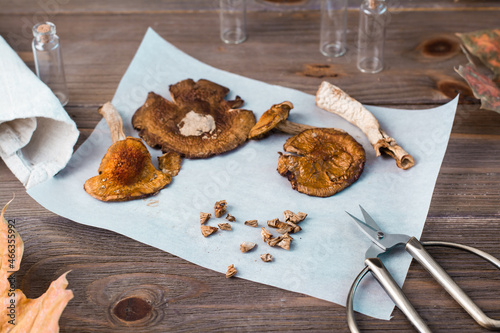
(48, 60)
(333, 27)
(371, 35)
(233, 21)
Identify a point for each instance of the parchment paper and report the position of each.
(327, 254)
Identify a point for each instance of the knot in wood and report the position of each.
(451, 88)
(442, 47)
(132, 309)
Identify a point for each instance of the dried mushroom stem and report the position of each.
(334, 100)
(114, 121)
(292, 128)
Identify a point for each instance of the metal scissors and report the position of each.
(384, 242)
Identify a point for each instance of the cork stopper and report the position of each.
(371, 4)
(43, 32)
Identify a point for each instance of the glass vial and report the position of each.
(48, 60)
(333, 27)
(233, 28)
(371, 35)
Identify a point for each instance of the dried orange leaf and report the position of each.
(23, 314)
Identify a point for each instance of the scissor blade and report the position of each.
(368, 230)
(369, 220)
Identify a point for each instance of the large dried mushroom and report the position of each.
(321, 162)
(198, 123)
(334, 100)
(126, 171)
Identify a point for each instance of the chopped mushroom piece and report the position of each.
(252, 223)
(231, 271)
(204, 217)
(334, 100)
(321, 161)
(230, 218)
(199, 123)
(220, 208)
(266, 257)
(208, 230)
(170, 163)
(126, 171)
(294, 218)
(266, 235)
(282, 241)
(276, 118)
(247, 246)
(224, 226)
(283, 227)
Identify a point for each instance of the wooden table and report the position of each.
(121, 285)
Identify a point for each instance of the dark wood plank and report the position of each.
(99, 41)
(91, 7)
(281, 49)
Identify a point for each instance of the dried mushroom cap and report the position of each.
(126, 171)
(170, 163)
(323, 161)
(198, 123)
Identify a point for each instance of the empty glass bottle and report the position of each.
(48, 59)
(371, 35)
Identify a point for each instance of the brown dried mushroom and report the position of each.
(198, 123)
(333, 99)
(276, 118)
(126, 171)
(321, 161)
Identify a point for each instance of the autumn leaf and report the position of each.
(18, 313)
(484, 44)
(482, 86)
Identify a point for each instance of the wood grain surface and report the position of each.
(121, 285)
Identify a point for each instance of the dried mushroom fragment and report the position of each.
(170, 163)
(220, 208)
(252, 223)
(294, 218)
(230, 218)
(231, 271)
(266, 257)
(266, 235)
(198, 123)
(334, 100)
(208, 230)
(321, 161)
(224, 226)
(126, 171)
(247, 246)
(283, 227)
(204, 217)
(283, 241)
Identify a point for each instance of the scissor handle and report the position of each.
(382, 275)
(417, 251)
